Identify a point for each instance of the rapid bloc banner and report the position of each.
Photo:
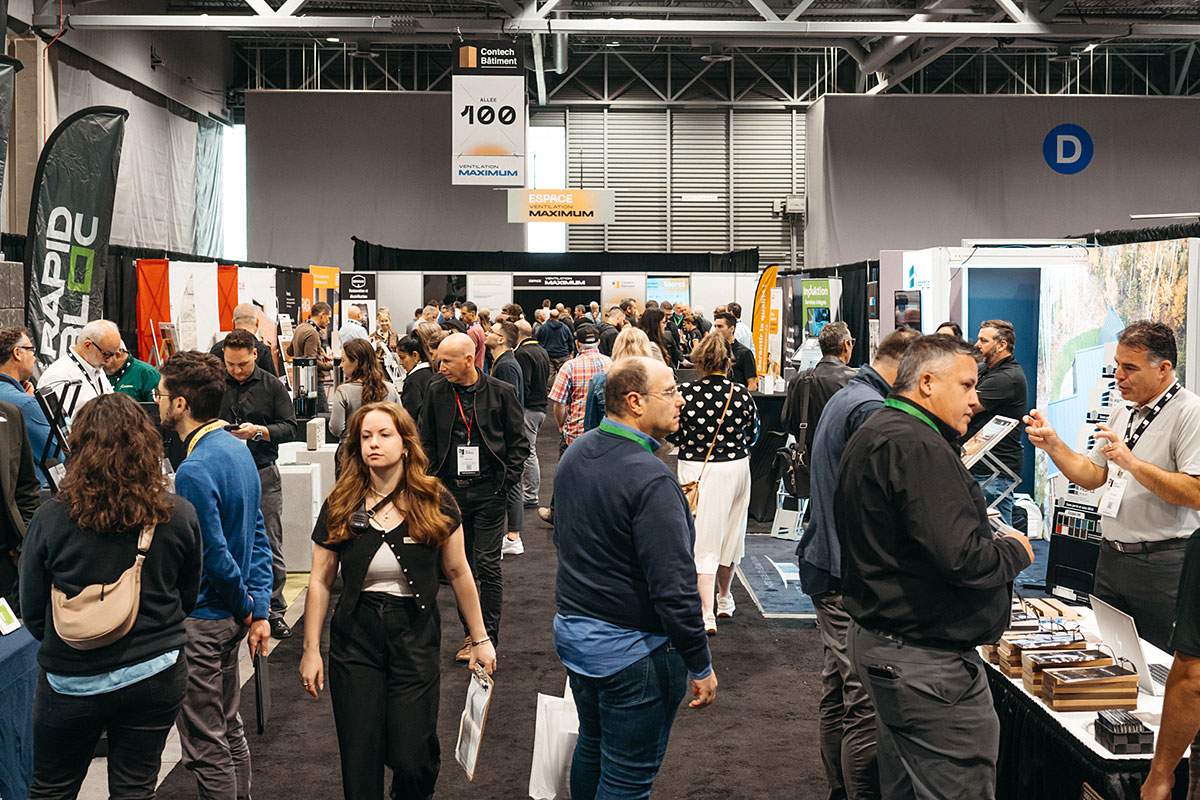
(70, 221)
(9, 67)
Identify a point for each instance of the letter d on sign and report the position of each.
(1067, 149)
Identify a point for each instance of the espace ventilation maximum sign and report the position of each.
(489, 114)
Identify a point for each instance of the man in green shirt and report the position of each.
(132, 377)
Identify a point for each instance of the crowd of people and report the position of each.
(437, 466)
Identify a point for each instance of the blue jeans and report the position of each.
(624, 723)
(997, 487)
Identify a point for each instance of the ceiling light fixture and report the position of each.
(1063, 55)
(332, 39)
(716, 55)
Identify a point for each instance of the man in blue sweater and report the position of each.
(847, 714)
(628, 627)
(558, 340)
(219, 478)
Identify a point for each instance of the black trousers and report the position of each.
(384, 681)
(137, 718)
(484, 513)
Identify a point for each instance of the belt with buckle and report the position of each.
(466, 483)
(1148, 547)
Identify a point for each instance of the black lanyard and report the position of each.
(1131, 440)
(87, 375)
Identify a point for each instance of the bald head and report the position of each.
(245, 316)
(524, 328)
(457, 356)
(354, 313)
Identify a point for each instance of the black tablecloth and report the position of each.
(18, 681)
(1039, 758)
(764, 474)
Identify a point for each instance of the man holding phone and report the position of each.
(258, 410)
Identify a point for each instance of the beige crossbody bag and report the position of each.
(102, 613)
(691, 489)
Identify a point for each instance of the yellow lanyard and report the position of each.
(200, 434)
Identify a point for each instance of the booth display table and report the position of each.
(1050, 754)
(18, 681)
(764, 473)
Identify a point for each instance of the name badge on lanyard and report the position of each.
(1117, 483)
(1114, 491)
(468, 454)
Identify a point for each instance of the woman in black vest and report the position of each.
(388, 525)
(114, 489)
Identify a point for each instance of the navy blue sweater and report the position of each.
(557, 338)
(625, 542)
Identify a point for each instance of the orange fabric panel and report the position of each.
(227, 294)
(306, 295)
(153, 303)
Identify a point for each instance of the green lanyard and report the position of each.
(892, 402)
(608, 427)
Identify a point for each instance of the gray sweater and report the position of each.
(348, 399)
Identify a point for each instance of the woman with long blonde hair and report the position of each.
(387, 524)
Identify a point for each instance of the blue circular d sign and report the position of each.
(1067, 149)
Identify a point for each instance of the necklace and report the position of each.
(385, 513)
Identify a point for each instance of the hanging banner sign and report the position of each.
(358, 289)
(289, 289)
(66, 253)
(572, 206)
(556, 281)
(9, 67)
(488, 102)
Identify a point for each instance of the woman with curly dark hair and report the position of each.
(365, 383)
(388, 525)
(112, 507)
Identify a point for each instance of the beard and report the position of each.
(169, 420)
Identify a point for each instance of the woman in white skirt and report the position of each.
(717, 425)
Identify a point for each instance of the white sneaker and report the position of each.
(725, 605)
(512, 547)
(710, 624)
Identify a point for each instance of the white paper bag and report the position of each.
(553, 747)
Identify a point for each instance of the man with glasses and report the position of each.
(83, 366)
(628, 626)
(17, 361)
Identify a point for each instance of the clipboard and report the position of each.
(986, 438)
(471, 724)
(262, 691)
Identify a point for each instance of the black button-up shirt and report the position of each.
(261, 400)
(919, 560)
(1001, 391)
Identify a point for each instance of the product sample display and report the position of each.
(1090, 688)
(1123, 734)
(1034, 664)
(1012, 646)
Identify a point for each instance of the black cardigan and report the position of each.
(58, 552)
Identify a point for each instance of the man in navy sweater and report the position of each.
(219, 478)
(628, 627)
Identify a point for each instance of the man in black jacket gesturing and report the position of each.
(924, 580)
(473, 431)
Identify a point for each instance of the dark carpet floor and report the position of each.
(757, 740)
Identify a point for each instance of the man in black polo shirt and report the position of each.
(536, 370)
(1001, 391)
(924, 580)
(1181, 706)
(473, 431)
(261, 408)
(744, 369)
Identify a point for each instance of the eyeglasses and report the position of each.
(103, 352)
(666, 394)
(157, 395)
(28, 347)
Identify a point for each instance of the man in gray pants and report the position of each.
(923, 579)
(536, 371)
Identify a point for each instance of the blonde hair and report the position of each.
(631, 342)
(711, 354)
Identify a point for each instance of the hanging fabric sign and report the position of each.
(70, 219)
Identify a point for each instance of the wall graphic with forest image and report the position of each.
(1083, 308)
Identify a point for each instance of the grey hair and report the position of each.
(245, 312)
(833, 337)
(97, 329)
(928, 354)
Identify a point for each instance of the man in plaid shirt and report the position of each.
(569, 394)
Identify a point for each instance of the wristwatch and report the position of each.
(258, 436)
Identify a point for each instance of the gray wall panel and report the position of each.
(325, 166)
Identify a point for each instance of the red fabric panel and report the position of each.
(153, 303)
(227, 294)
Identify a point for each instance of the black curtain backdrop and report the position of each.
(376, 257)
(120, 287)
(854, 300)
(1105, 238)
